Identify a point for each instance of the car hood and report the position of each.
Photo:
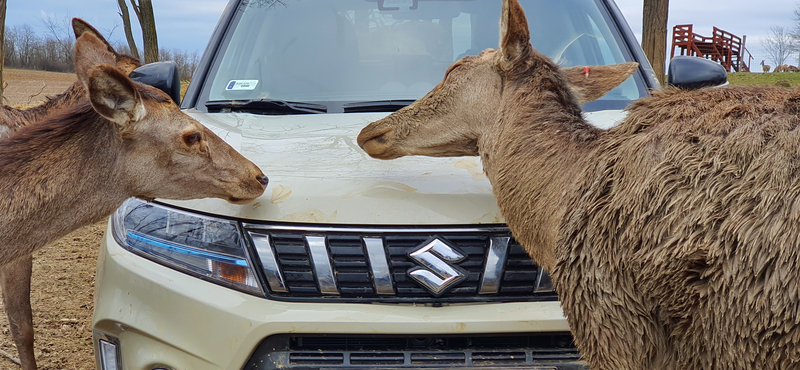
(318, 174)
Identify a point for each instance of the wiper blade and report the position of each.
(265, 106)
(376, 106)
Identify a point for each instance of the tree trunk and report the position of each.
(126, 21)
(147, 20)
(2, 47)
(654, 34)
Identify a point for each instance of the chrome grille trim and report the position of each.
(371, 264)
(318, 246)
(381, 274)
(311, 229)
(495, 260)
(269, 263)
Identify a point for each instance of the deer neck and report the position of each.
(532, 156)
(56, 176)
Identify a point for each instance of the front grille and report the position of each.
(539, 351)
(347, 264)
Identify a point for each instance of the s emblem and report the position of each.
(437, 271)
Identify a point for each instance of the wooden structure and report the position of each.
(723, 47)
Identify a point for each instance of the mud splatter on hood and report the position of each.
(317, 173)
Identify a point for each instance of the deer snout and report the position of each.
(250, 187)
(376, 140)
(263, 180)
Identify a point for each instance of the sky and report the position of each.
(188, 24)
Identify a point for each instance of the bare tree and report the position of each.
(59, 41)
(147, 21)
(654, 34)
(126, 23)
(780, 44)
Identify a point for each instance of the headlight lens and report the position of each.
(209, 247)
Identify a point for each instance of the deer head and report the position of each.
(451, 118)
(164, 152)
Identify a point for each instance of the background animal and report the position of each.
(77, 165)
(15, 276)
(673, 239)
(765, 67)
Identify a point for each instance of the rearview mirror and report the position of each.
(693, 73)
(161, 75)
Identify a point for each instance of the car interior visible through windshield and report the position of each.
(337, 54)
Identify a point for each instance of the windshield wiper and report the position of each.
(375, 106)
(265, 106)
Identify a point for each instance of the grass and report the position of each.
(748, 78)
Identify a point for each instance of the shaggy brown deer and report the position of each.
(126, 140)
(673, 239)
(15, 277)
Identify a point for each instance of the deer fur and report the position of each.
(15, 277)
(79, 164)
(673, 239)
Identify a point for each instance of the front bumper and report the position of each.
(162, 318)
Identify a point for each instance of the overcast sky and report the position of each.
(187, 24)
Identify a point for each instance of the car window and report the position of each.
(384, 50)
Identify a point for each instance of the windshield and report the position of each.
(383, 54)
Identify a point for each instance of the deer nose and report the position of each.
(263, 180)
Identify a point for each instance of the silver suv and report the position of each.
(346, 262)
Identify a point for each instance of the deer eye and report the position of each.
(192, 138)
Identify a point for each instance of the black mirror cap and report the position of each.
(161, 75)
(693, 73)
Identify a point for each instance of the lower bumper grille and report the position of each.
(539, 351)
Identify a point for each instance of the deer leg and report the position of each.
(15, 279)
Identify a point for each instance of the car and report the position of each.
(346, 262)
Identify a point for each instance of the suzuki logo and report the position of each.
(437, 274)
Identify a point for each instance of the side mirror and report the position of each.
(693, 73)
(161, 75)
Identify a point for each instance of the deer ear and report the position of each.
(514, 35)
(90, 52)
(79, 26)
(592, 82)
(114, 96)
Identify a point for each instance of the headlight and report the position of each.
(210, 248)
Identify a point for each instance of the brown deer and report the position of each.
(126, 140)
(15, 277)
(765, 67)
(673, 239)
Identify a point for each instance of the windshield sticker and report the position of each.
(242, 85)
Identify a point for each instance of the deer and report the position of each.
(15, 277)
(125, 139)
(672, 239)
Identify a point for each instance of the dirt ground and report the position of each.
(62, 292)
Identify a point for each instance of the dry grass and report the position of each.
(748, 78)
(28, 88)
